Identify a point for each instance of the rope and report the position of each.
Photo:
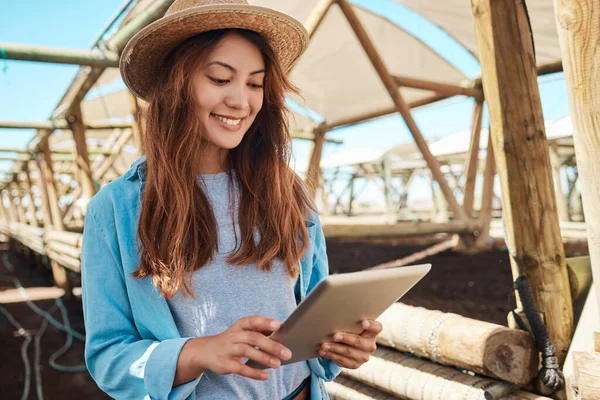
(22, 332)
(550, 374)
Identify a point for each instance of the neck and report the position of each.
(213, 160)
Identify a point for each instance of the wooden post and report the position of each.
(12, 208)
(47, 179)
(487, 199)
(138, 122)
(316, 16)
(29, 188)
(86, 179)
(472, 162)
(561, 198)
(521, 151)
(19, 204)
(387, 188)
(578, 23)
(401, 107)
(314, 166)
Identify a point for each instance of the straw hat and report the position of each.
(142, 58)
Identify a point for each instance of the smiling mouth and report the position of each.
(227, 120)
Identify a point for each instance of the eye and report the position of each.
(255, 86)
(218, 81)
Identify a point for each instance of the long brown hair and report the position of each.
(177, 229)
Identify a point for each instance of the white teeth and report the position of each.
(227, 120)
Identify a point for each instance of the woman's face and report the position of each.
(228, 89)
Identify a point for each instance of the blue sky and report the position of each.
(30, 91)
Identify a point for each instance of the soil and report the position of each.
(474, 286)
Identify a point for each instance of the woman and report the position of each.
(192, 258)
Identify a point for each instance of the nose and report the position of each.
(237, 98)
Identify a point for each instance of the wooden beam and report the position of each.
(401, 107)
(438, 87)
(578, 24)
(521, 151)
(472, 164)
(397, 229)
(82, 160)
(316, 16)
(314, 166)
(345, 122)
(302, 135)
(25, 52)
(60, 124)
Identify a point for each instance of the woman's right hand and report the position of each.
(246, 338)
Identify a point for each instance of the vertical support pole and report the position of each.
(82, 159)
(402, 107)
(314, 166)
(521, 150)
(487, 199)
(138, 122)
(387, 185)
(472, 162)
(561, 199)
(578, 23)
(19, 197)
(29, 189)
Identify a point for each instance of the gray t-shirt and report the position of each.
(225, 293)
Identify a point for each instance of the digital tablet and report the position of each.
(339, 303)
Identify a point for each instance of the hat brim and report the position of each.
(143, 56)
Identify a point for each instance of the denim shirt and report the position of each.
(132, 342)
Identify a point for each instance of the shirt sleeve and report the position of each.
(123, 364)
(328, 369)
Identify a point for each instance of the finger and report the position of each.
(346, 351)
(341, 360)
(357, 341)
(258, 323)
(244, 370)
(252, 353)
(265, 344)
(371, 328)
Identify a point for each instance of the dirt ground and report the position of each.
(473, 286)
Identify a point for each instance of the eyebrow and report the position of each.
(229, 67)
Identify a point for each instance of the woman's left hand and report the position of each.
(350, 350)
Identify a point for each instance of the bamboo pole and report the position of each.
(109, 161)
(314, 166)
(578, 24)
(517, 126)
(401, 107)
(438, 87)
(86, 179)
(19, 198)
(24, 52)
(472, 164)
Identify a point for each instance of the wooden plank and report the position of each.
(578, 25)
(521, 152)
(398, 229)
(401, 107)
